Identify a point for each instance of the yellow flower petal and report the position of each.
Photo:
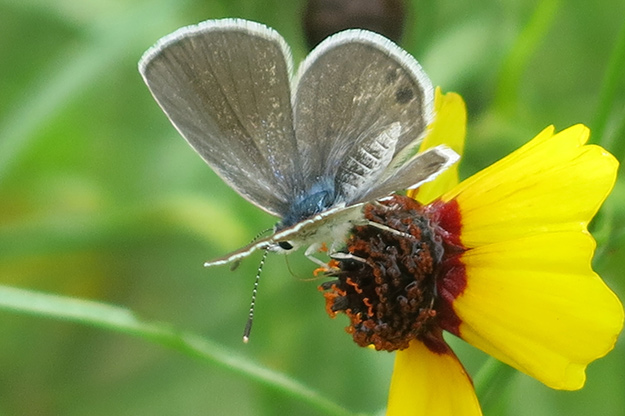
(535, 304)
(427, 383)
(553, 183)
(532, 299)
(448, 128)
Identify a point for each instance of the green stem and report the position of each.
(516, 61)
(613, 76)
(488, 372)
(125, 321)
(491, 384)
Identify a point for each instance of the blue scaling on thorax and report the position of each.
(318, 198)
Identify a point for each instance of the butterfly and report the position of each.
(311, 148)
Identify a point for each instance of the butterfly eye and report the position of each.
(285, 245)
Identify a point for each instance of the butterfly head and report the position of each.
(283, 247)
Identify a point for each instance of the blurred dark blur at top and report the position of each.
(322, 18)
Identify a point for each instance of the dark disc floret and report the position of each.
(385, 280)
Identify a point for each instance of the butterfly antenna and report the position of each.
(260, 234)
(250, 318)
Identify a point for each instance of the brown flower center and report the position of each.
(386, 278)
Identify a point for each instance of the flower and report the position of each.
(501, 260)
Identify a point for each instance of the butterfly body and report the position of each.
(318, 198)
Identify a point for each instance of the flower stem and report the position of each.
(609, 89)
(515, 63)
(123, 320)
(492, 385)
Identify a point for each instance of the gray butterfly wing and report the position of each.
(421, 168)
(351, 93)
(225, 85)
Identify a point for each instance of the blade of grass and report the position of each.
(613, 76)
(492, 386)
(123, 320)
(507, 93)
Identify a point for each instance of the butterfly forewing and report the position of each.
(225, 86)
(351, 89)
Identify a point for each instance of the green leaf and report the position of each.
(123, 320)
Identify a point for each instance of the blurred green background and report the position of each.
(101, 199)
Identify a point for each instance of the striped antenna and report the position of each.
(250, 318)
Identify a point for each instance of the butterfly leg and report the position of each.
(314, 248)
(390, 230)
(347, 256)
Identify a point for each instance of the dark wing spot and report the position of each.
(404, 95)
